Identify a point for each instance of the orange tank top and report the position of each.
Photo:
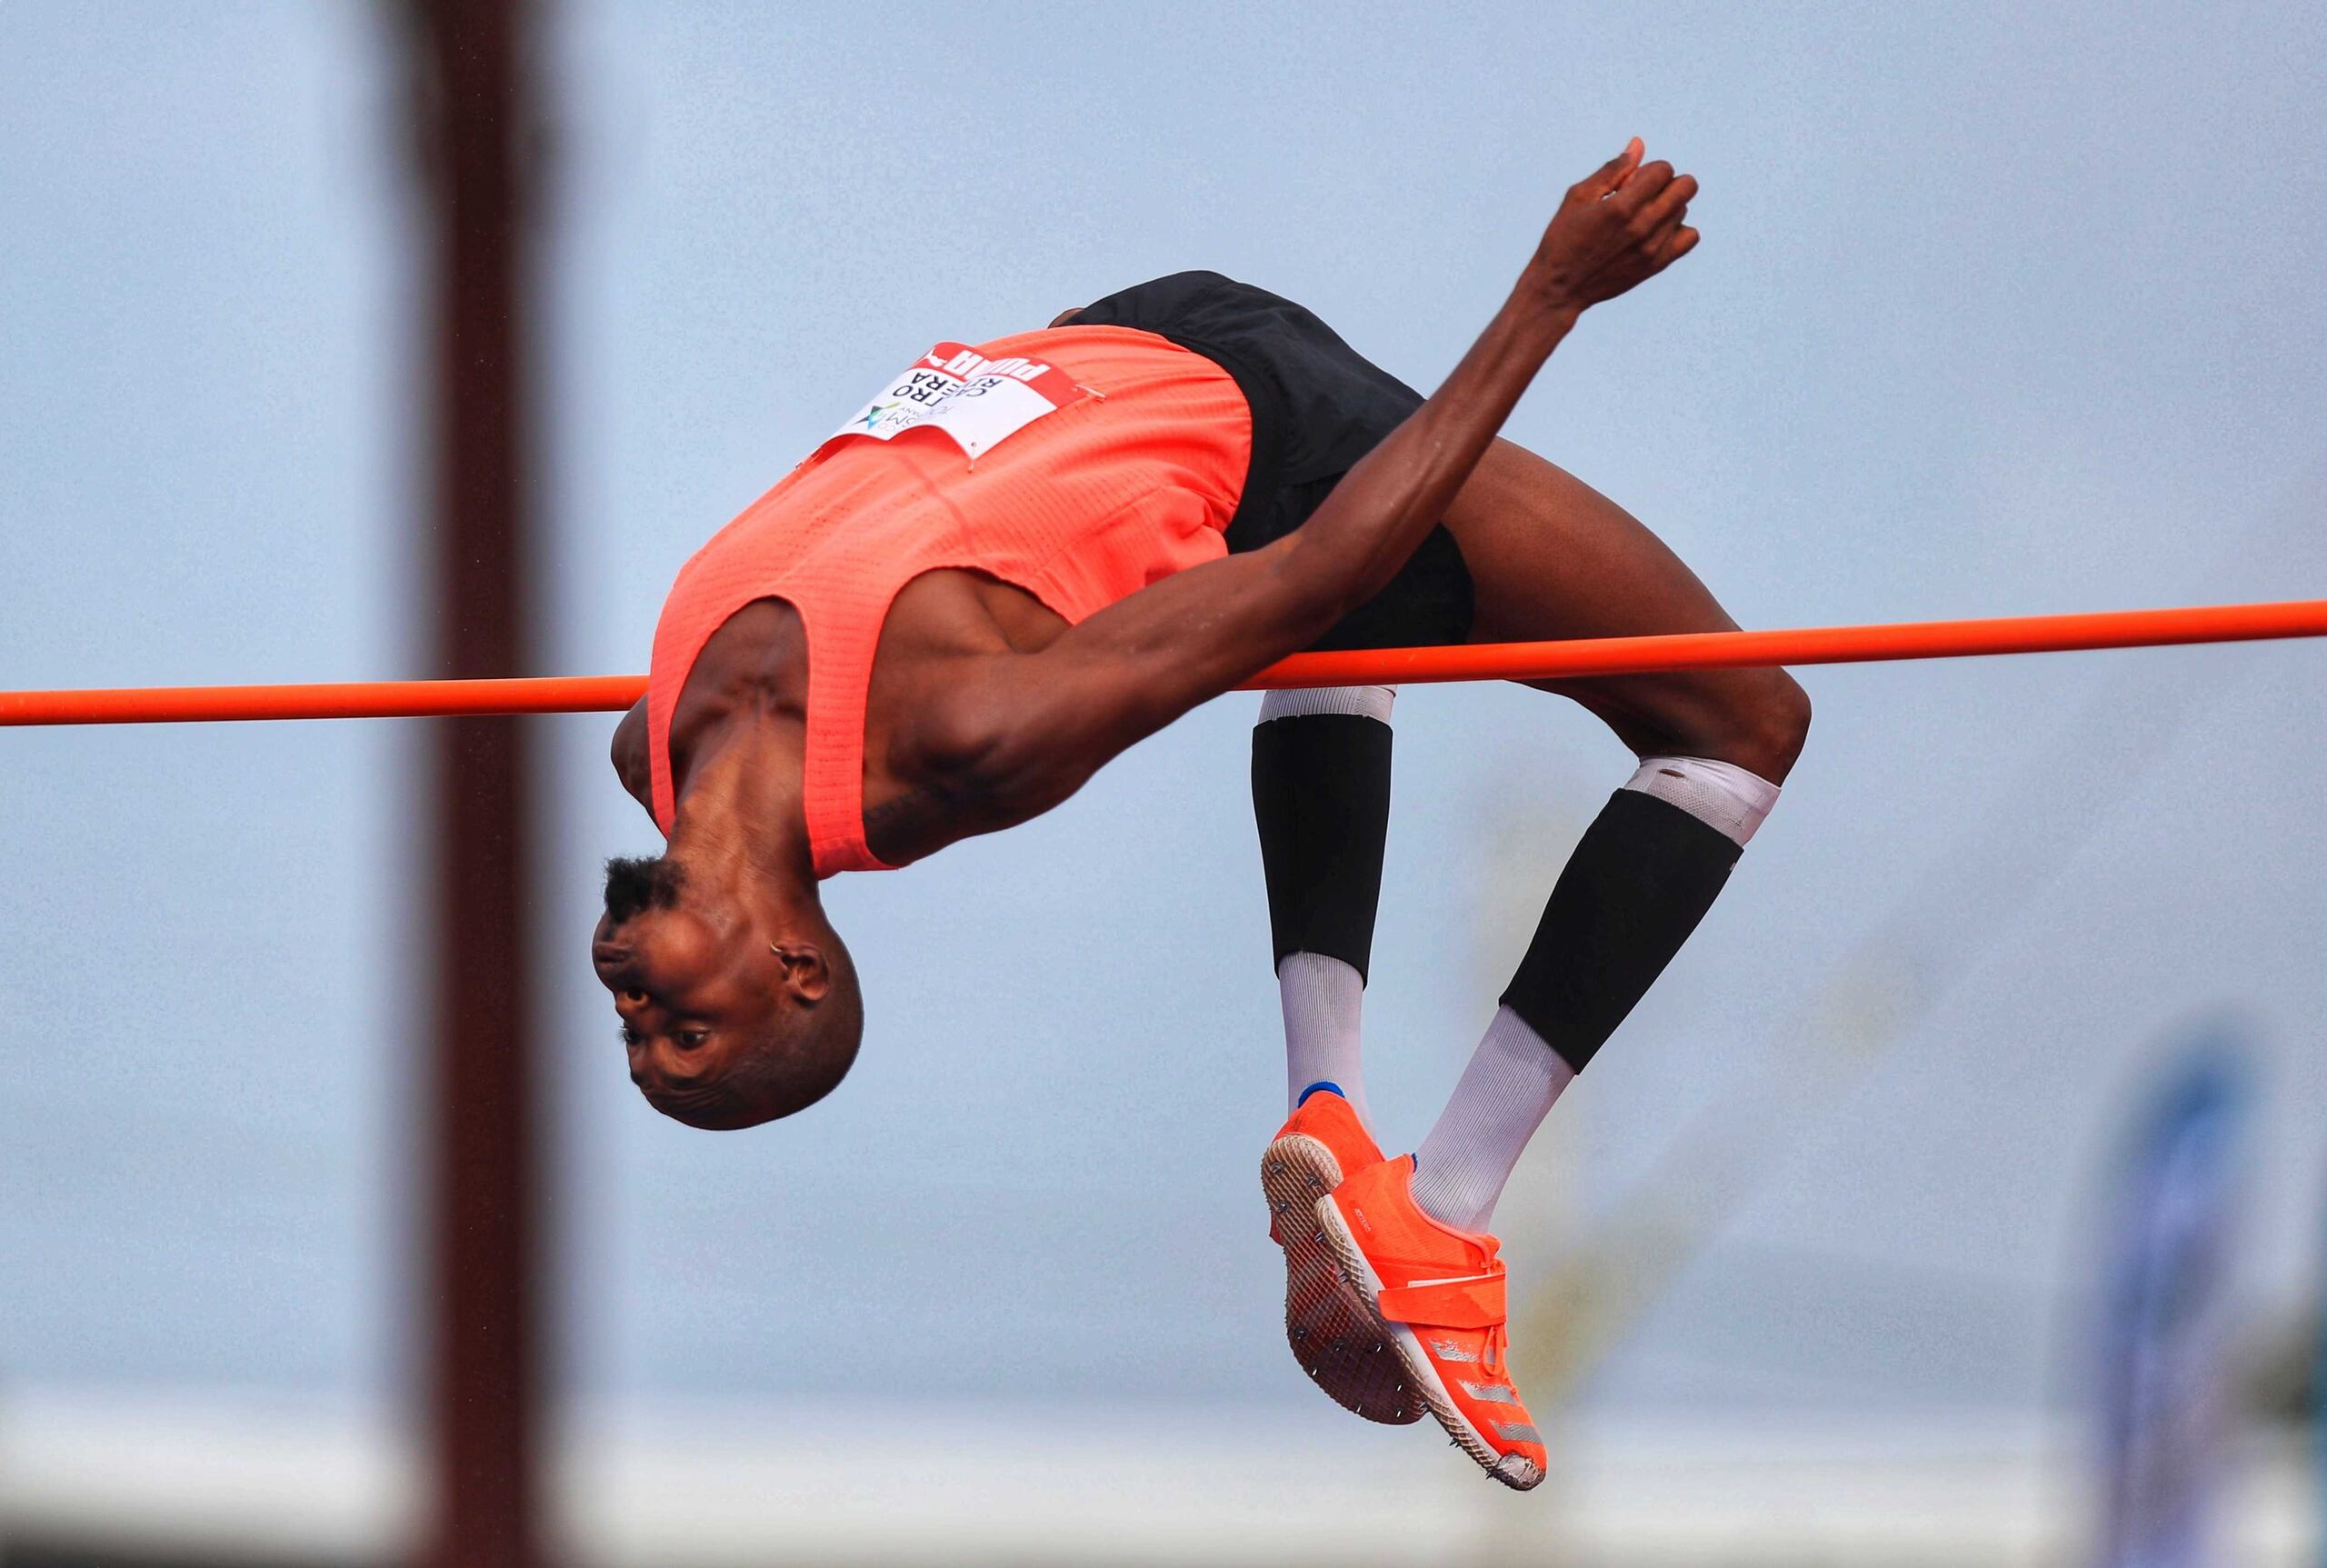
(1079, 463)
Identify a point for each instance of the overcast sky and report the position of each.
(1997, 311)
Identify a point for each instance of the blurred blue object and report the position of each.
(2165, 1379)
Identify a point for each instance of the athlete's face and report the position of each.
(692, 997)
(729, 1019)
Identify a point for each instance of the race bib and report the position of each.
(976, 401)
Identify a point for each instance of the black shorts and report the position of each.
(1318, 406)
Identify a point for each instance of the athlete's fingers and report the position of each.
(1682, 242)
(1674, 199)
(1660, 236)
(1610, 174)
(1641, 188)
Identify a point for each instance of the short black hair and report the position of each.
(635, 882)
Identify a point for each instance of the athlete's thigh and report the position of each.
(1551, 557)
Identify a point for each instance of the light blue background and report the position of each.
(1997, 311)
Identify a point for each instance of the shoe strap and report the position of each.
(1447, 1303)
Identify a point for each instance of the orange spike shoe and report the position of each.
(1332, 1334)
(1437, 1296)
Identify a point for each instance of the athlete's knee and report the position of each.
(1778, 726)
(1759, 721)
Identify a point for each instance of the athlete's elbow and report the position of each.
(980, 754)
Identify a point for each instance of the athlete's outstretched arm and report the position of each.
(1022, 731)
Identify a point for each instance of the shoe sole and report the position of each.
(1332, 1334)
(1513, 1470)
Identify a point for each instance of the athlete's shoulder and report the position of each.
(629, 754)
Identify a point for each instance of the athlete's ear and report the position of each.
(807, 976)
(1062, 317)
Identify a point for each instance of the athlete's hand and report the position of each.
(1618, 226)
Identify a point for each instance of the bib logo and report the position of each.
(970, 362)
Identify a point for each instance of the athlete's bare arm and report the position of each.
(1019, 733)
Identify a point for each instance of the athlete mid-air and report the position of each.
(1027, 555)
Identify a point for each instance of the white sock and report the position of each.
(1502, 1096)
(1293, 701)
(1324, 999)
(1513, 1077)
(1721, 794)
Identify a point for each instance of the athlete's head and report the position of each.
(738, 1005)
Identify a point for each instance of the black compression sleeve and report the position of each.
(1321, 796)
(1641, 879)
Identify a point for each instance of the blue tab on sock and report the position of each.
(1320, 1084)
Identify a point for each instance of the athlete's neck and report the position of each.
(741, 810)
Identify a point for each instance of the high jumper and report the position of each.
(1027, 555)
(996, 628)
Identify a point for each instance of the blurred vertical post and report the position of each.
(473, 116)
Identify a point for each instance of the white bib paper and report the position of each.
(976, 401)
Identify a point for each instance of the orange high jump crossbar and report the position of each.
(1386, 666)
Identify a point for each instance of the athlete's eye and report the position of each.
(689, 1039)
(631, 1038)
